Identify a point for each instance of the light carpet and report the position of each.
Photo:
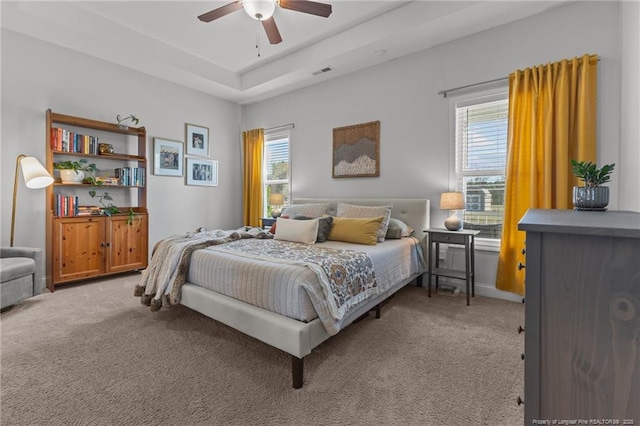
(91, 354)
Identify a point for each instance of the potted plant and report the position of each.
(591, 196)
(74, 171)
(131, 117)
(105, 201)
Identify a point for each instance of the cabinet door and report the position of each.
(77, 248)
(126, 243)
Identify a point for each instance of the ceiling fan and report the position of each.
(262, 10)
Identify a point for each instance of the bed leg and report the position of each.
(378, 311)
(297, 370)
(419, 281)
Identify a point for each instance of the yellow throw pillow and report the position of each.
(355, 230)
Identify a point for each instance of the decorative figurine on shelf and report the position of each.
(133, 118)
(105, 149)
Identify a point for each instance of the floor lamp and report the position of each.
(35, 177)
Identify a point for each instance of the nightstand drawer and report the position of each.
(439, 237)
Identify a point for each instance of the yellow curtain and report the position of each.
(252, 147)
(552, 119)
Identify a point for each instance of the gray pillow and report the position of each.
(398, 229)
(324, 226)
(311, 210)
(351, 210)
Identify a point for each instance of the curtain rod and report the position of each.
(482, 83)
(281, 127)
(455, 89)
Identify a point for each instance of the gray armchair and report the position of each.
(21, 274)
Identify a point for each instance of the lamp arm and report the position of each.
(15, 193)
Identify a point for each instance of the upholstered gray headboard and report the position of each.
(412, 211)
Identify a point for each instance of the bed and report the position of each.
(302, 323)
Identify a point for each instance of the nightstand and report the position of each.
(464, 238)
(267, 222)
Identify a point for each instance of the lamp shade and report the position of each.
(276, 199)
(34, 174)
(452, 201)
(259, 10)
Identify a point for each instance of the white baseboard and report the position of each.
(482, 289)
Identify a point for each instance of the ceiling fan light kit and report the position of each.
(262, 11)
(259, 10)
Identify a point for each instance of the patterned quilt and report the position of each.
(346, 276)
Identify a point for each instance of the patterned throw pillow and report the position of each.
(350, 210)
(311, 210)
(398, 229)
(324, 226)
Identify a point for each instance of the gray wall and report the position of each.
(416, 143)
(38, 75)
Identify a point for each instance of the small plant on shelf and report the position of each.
(105, 202)
(81, 165)
(133, 118)
(74, 171)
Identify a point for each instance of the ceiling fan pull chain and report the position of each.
(258, 38)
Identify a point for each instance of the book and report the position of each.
(448, 290)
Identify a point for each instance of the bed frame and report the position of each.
(299, 338)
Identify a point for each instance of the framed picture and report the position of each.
(197, 140)
(168, 157)
(356, 150)
(202, 172)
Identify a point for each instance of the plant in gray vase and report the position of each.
(591, 196)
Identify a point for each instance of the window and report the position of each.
(481, 156)
(276, 176)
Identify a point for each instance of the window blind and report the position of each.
(481, 155)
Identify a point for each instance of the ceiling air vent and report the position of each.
(322, 71)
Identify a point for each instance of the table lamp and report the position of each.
(452, 201)
(276, 200)
(35, 177)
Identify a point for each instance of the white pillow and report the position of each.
(298, 231)
(311, 210)
(350, 210)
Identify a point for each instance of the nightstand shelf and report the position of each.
(465, 238)
(450, 273)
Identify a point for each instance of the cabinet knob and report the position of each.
(519, 401)
(523, 251)
(521, 266)
(522, 356)
(520, 329)
(102, 244)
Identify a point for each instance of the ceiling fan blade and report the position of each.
(307, 6)
(221, 11)
(271, 29)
